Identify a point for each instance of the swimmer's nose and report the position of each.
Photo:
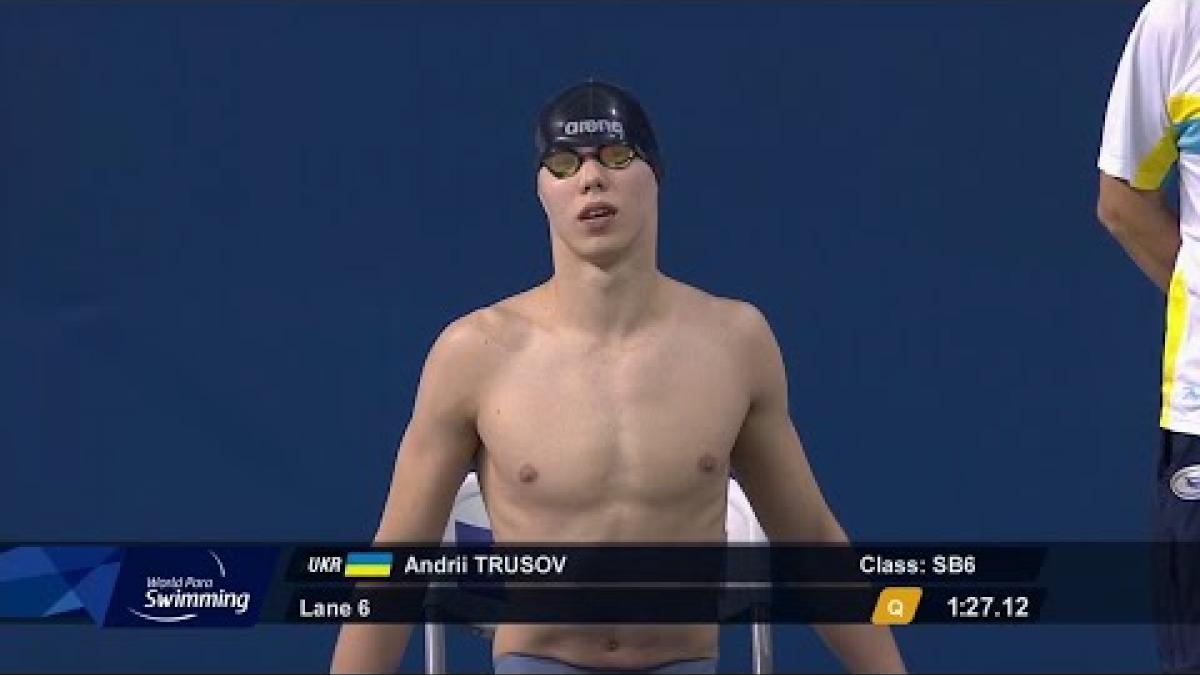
(593, 176)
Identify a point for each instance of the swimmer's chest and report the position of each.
(659, 416)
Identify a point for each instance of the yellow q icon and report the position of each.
(897, 605)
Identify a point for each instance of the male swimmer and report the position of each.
(608, 404)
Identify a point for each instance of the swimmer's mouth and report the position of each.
(597, 210)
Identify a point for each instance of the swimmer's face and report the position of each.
(599, 212)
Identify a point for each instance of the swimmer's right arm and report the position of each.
(434, 456)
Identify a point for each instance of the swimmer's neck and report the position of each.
(611, 301)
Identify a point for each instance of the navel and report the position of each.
(527, 474)
(707, 463)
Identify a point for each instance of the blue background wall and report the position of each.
(228, 235)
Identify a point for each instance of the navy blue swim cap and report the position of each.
(594, 113)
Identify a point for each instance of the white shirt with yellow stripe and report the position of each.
(1152, 124)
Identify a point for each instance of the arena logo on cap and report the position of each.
(594, 126)
(1186, 482)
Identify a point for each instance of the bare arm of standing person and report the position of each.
(434, 456)
(772, 468)
(1143, 224)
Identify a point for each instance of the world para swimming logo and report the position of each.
(1185, 483)
(190, 592)
(192, 586)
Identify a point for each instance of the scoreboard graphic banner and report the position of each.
(240, 585)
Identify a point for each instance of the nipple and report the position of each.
(527, 474)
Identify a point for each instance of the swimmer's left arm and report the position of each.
(772, 468)
(767, 457)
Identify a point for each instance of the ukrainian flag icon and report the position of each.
(369, 565)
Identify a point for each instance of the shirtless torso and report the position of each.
(622, 440)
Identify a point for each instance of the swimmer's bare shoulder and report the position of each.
(441, 438)
(738, 326)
